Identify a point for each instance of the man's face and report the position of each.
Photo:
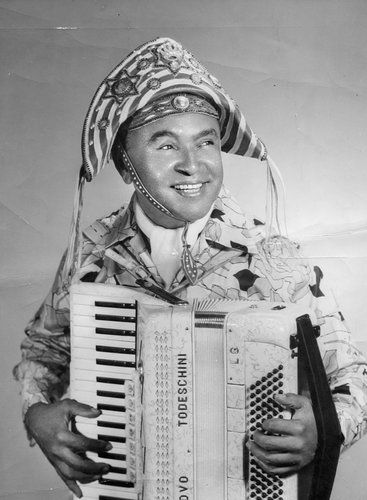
(178, 159)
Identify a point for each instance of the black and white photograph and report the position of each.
(183, 270)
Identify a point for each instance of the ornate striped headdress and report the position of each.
(153, 70)
(157, 68)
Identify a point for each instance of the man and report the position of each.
(165, 120)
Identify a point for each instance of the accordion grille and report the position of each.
(262, 405)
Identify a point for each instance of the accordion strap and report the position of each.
(317, 479)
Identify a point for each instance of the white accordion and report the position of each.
(181, 390)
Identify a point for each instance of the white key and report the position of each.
(91, 365)
(117, 476)
(113, 462)
(90, 376)
(90, 299)
(94, 386)
(81, 353)
(91, 310)
(90, 332)
(116, 447)
(93, 400)
(93, 431)
(89, 321)
(118, 469)
(94, 494)
(91, 343)
(117, 417)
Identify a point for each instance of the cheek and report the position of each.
(152, 176)
(218, 170)
(147, 168)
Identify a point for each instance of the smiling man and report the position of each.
(179, 157)
(165, 121)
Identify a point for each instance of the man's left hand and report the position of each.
(284, 446)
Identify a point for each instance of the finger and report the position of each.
(90, 479)
(72, 485)
(276, 443)
(275, 459)
(291, 401)
(81, 443)
(85, 464)
(75, 408)
(71, 474)
(277, 471)
(285, 427)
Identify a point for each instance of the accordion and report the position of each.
(183, 387)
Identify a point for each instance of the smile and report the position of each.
(189, 189)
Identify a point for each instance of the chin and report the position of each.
(192, 213)
(197, 216)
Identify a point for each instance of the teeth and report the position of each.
(188, 186)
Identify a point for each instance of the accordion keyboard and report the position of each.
(102, 375)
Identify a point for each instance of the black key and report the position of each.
(112, 456)
(101, 406)
(115, 331)
(111, 394)
(110, 425)
(110, 317)
(114, 362)
(117, 470)
(115, 439)
(119, 350)
(115, 482)
(117, 305)
(107, 497)
(110, 380)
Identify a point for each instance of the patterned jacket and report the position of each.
(234, 262)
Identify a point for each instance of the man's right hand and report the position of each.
(49, 425)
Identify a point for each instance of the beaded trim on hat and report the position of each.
(172, 105)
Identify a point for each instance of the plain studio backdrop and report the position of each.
(298, 70)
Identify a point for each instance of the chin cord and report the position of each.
(73, 255)
(138, 183)
(188, 262)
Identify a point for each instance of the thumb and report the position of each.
(75, 408)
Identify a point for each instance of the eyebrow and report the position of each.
(159, 134)
(169, 133)
(208, 131)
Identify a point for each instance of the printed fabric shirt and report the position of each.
(235, 262)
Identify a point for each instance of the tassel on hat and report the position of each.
(73, 256)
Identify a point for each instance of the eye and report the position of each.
(208, 142)
(166, 147)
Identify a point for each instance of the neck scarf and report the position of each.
(166, 244)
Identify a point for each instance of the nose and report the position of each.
(188, 162)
